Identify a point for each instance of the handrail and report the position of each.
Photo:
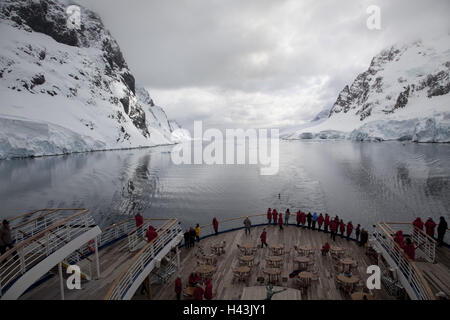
(133, 260)
(39, 210)
(234, 219)
(34, 219)
(425, 244)
(37, 248)
(137, 263)
(40, 234)
(410, 224)
(402, 255)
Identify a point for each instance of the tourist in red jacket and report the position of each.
(269, 216)
(409, 249)
(399, 239)
(325, 249)
(418, 223)
(280, 221)
(216, 225)
(139, 220)
(151, 233)
(263, 238)
(275, 216)
(342, 228)
(208, 290)
(320, 220)
(299, 218)
(198, 293)
(178, 287)
(326, 222)
(303, 216)
(333, 229)
(429, 227)
(349, 230)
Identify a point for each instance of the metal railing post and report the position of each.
(61, 280)
(97, 261)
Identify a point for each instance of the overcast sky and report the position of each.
(257, 63)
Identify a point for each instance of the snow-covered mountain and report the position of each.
(404, 95)
(65, 89)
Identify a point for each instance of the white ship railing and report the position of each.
(28, 253)
(169, 232)
(28, 224)
(424, 244)
(408, 273)
(137, 235)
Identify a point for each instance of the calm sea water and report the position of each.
(361, 182)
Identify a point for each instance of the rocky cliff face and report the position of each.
(55, 76)
(403, 95)
(394, 77)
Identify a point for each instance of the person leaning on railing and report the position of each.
(197, 232)
(442, 228)
(247, 225)
(5, 238)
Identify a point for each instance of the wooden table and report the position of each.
(205, 271)
(338, 251)
(304, 250)
(243, 271)
(189, 291)
(302, 262)
(305, 278)
(247, 260)
(277, 249)
(274, 261)
(210, 259)
(273, 273)
(360, 296)
(248, 248)
(347, 263)
(217, 248)
(348, 282)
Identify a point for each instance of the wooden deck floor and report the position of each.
(438, 274)
(113, 259)
(225, 289)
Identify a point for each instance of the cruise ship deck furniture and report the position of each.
(277, 249)
(205, 271)
(218, 248)
(241, 273)
(302, 262)
(247, 260)
(273, 274)
(274, 261)
(247, 248)
(304, 250)
(347, 264)
(348, 282)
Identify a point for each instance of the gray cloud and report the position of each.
(257, 63)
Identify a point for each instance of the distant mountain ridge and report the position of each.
(68, 90)
(404, 85)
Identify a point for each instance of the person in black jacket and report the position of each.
(192, 237)
(364, 237)
(442, 228)
(186, 239)
(309, 219)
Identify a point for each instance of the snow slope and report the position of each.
(65, 90)
(404, 87)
